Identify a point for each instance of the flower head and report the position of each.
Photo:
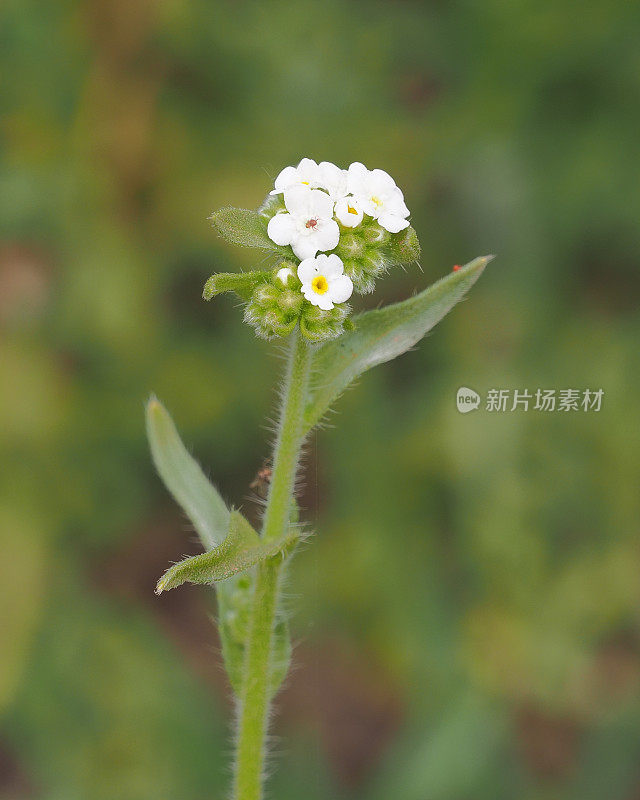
(307, 224)
(324, 282)
(333, 232)
(378, 196)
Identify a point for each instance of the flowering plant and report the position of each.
(331, 232)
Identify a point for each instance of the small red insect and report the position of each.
(457, 267)
(312, 223)
(262, 480)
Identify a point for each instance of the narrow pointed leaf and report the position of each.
(242, 283)
(383, 334)
(184, 479)
(244, 227)
(241, 550)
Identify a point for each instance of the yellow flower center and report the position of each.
(319, 284)
(351, 210)
(376, 201)
(306, 183)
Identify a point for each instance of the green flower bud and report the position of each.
(364, 271)
(375, 235)
(403, 247)
(290, 301)
(319, 326)
(351, 245)
(275, 306)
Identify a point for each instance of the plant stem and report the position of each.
(255, 699)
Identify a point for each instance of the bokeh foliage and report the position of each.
(467, 616)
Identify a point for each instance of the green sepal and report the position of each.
(244, 227)
(383, 334)
(183, 477)
(242, 283)
(241, 550)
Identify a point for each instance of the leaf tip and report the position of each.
(154, 408)
(488, 258)
(165, 583)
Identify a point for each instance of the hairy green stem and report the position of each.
(255, 698)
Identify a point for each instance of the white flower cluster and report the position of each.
(316, 198)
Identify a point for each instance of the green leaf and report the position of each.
(244, 227)
(184, 479)
(242, 283)
(241, 550)
(383, 334)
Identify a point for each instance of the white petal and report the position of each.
(348, 212)
(307, 270)
(320, 300)
(324, 302)
(357, 179)
(305, 247)
(382, 181)
(340, 289)
(297, 200)
(393, 223)
(394, 204)
(281, 228)
(330, 266)
(308, 170)
(368, 206)
(327, 235)
(287, 177)
(310, 295)
(329, 171)
(284, 273)
(320, 205)
(333, 179)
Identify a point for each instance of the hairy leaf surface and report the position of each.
(241, 550)
(383, 334)
(184, 478)
(244, 227)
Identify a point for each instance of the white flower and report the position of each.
(348, 212)
(333, 179)
(307, 225)
(284, 274)
(379, 197)
(305, 174)
(324, 282)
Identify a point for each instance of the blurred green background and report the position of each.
(467, 618)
